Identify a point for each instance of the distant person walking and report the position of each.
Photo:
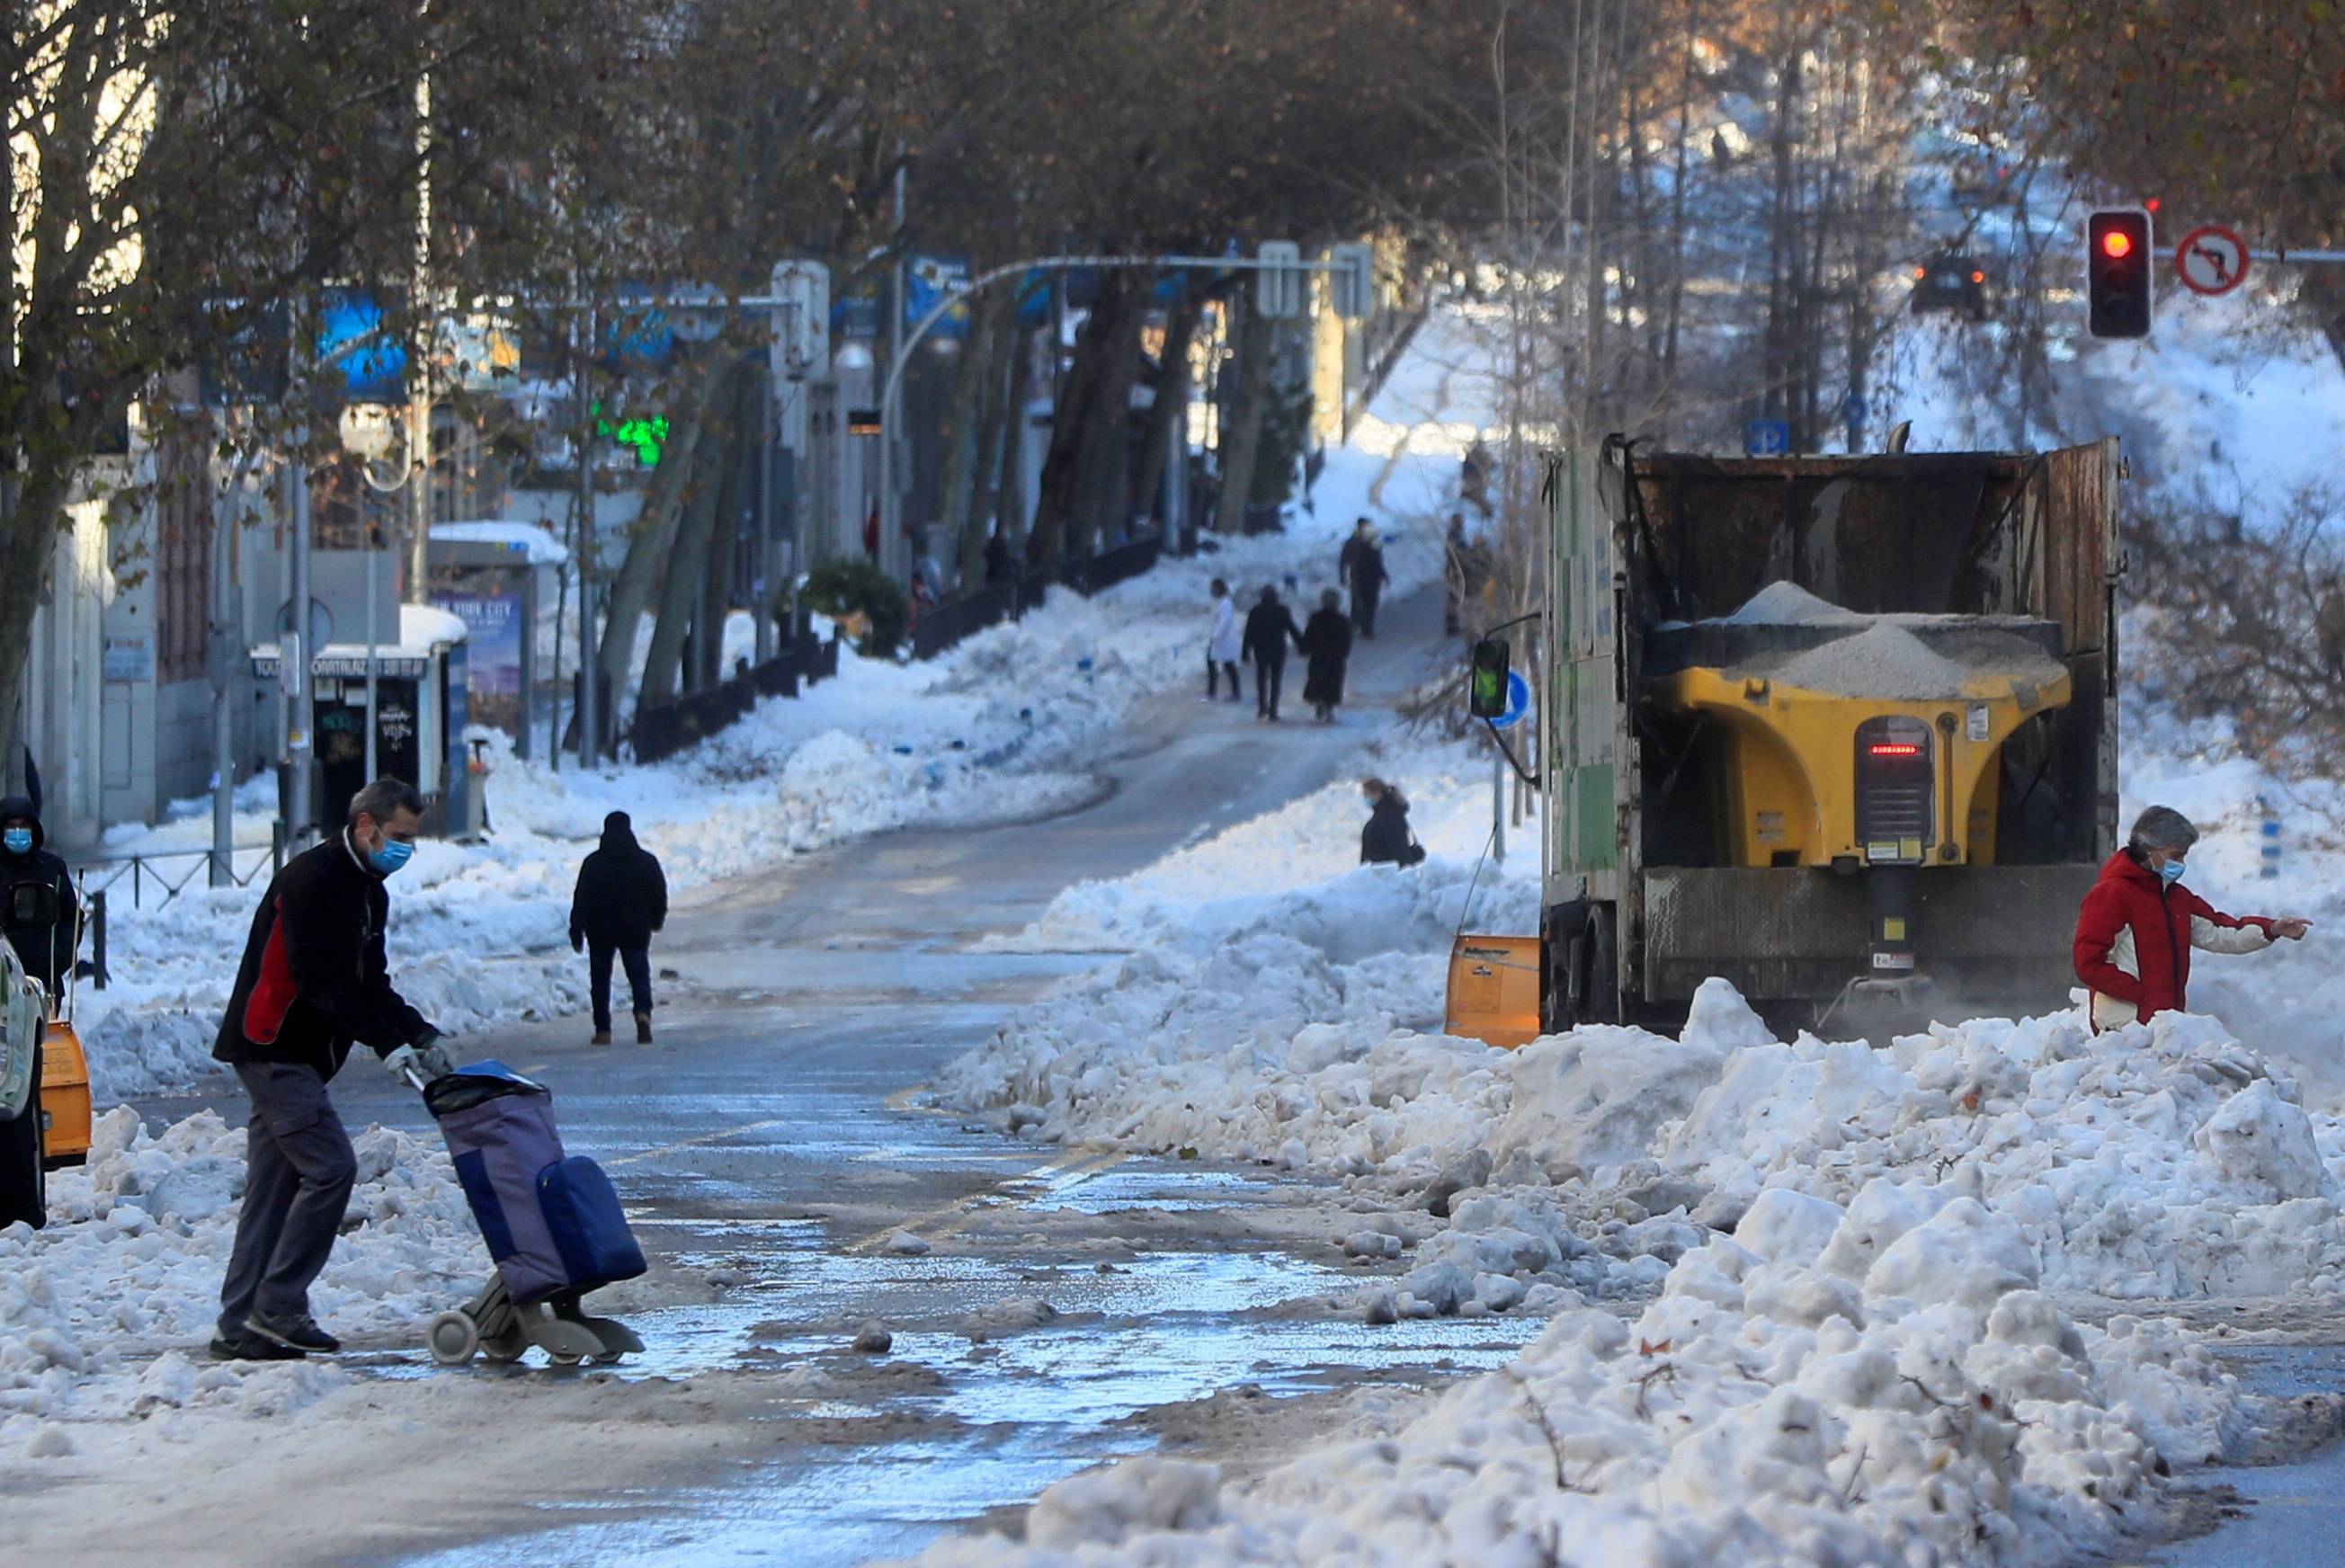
(622, 899)
(1225, 646)
(313, 983)
(1474, 477)
(1465, 566)
(1362, 565)
(1269, 628)
(1385, 840)
(1326, 644)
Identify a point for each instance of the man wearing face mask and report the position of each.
(2139, 924)
(314, 981)
(47, 947)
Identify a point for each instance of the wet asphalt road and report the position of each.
(767, 1146)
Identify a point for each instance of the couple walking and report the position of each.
(1326, 641)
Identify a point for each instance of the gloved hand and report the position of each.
(426, 1058)
(577, 942)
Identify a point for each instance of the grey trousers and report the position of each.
(298, 1171)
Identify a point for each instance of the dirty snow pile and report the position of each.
(1826, 1389)
(132, 1260)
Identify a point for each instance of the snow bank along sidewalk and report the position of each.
(104, 1315)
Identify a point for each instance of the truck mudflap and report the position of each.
(1992, 938)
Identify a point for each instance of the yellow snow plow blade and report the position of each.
(1494, 990)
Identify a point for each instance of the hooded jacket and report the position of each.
(2134, 938)
(314, 980)
(1386, 838)
(47, 949)
(621, 895)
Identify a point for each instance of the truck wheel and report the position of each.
(24, 1185)
(1599, 988)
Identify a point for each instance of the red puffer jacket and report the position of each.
(2134, 938)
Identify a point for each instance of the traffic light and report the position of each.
(1486, 696)
(1353, 283)
(1278, 285)
(2117, 272)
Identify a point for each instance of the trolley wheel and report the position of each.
(607, 1358)
(565, 1358)
(453, 1337)
(506, 1348)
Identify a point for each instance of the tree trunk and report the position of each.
(741, 454)
(973, 381)
(1008, 502)
(1241, 434)
(1103, 492)
(1166, 419)
(653, 535)
(687, 570)
(1064, 470)
(1003, 342)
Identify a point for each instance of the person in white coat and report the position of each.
(1222, 644)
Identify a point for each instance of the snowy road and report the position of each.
(1060, 1307)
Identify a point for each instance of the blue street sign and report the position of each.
(1767, 438)
(1519, 702)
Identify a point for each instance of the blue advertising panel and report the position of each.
(360, 356)
(491, 693)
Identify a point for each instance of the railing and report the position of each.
(663, 728)
(164, 873)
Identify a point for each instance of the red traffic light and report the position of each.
(2119, 295)
(2117, 243)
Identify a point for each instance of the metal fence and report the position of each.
(154, 879)
(663, 728)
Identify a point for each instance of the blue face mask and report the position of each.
(2170, 872)
(390, 857)
(18, 840)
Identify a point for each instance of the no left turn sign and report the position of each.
(2211, 260)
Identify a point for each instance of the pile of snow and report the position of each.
(1827, 1388)
(98, 1313)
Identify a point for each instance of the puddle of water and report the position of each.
(1164, 1191)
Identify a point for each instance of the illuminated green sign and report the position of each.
(643, 436)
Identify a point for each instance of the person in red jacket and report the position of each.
(2138, 925)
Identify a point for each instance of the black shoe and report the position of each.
(300, 1335)
(252, 1348)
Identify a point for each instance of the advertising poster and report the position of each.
(492, 617)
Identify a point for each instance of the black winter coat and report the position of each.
(1386, 838)
(314, 980)
(1327, 643)
(622, 897)
(47, 949)
(1269, 628)
(1362, 565)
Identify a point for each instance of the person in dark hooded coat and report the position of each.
(622, 899)
(1385, 840)
(1326, 642)
(47, 947)
(1269, 627)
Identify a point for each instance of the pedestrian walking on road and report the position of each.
(1385, 840)
(1326, 642)
(1362, 564)
(313, 983)
(622, 899)
(46, 946)
(1223, 645)
(1464, 567)
(2138, 925)
(1269, 628)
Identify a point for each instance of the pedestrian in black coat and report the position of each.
(1386, 839)
(622, 899)
(1362, 564)
(1269, 628)
(46, 946)
(313, 982)
(1326, 642)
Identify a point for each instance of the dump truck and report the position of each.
(1839, 730)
